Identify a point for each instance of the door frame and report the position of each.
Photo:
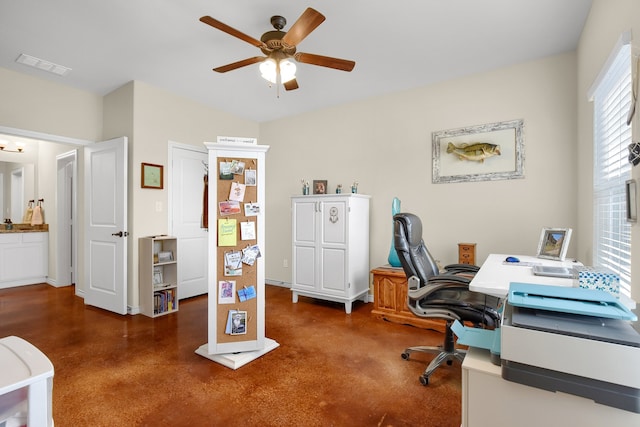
(39, 136)
(67, 242)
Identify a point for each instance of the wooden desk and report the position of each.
(390, 299)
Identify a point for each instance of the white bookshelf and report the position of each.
(158, 275)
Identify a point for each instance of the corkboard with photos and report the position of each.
(237, 249)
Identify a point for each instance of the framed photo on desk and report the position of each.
(554, 243)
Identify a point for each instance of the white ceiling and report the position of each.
(397, 45)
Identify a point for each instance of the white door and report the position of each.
(305, 236)
(186, 190)
(105, 207)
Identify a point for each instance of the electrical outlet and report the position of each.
(285, 263)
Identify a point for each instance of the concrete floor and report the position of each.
(331, 369)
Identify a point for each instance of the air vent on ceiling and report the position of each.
(43, 65)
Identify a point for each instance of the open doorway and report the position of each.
(50, 156)
(66, 218)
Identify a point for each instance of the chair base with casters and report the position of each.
(444, 353)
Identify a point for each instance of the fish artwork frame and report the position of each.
(488, 152)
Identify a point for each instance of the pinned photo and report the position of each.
(250, 178)
(251, 209)
(226, 292)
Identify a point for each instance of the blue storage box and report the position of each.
(598, 278)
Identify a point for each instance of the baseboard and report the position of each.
(278, 283)
(288, 286)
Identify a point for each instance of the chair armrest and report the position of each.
(435, 284)
(461, 268)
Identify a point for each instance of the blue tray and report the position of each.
(588, 302)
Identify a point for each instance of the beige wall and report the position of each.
(160, 117)
(607, 21)
(385, 144)
(42, 106)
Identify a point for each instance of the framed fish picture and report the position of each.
(487, 152)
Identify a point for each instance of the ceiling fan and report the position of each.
(279, 47)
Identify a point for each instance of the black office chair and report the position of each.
(443, 295)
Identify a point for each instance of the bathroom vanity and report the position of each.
(24, 258)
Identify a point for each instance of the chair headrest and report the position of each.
(412, 226)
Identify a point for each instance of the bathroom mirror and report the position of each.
(17, 187)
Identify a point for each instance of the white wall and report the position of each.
(385, 144)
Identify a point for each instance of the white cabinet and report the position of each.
(331, 247)
(24, 258)
(158, 275)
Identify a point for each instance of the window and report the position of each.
(612, 135)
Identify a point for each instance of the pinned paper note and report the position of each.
(227, 232)
(247, 230)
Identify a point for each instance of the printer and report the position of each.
(571, 340)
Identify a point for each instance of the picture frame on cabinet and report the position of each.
(554, 243)
(319, 186)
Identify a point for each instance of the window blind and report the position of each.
(612, 135)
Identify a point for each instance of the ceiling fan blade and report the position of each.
(291, 85)
(308, 21)
(325, 61)
(239, 64)
(231, 31)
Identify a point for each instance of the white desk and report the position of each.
(490, 401)
(496, 274)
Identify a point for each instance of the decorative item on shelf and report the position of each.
(354, 187)
(393, 259)
(8, 225)
(305, 187)
(339, 189)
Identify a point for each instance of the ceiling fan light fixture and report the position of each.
(287, 70)
(269, 70)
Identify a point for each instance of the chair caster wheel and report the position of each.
(405, 356)
(424, 380)
(449, 362)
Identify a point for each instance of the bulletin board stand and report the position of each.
(236, 171)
